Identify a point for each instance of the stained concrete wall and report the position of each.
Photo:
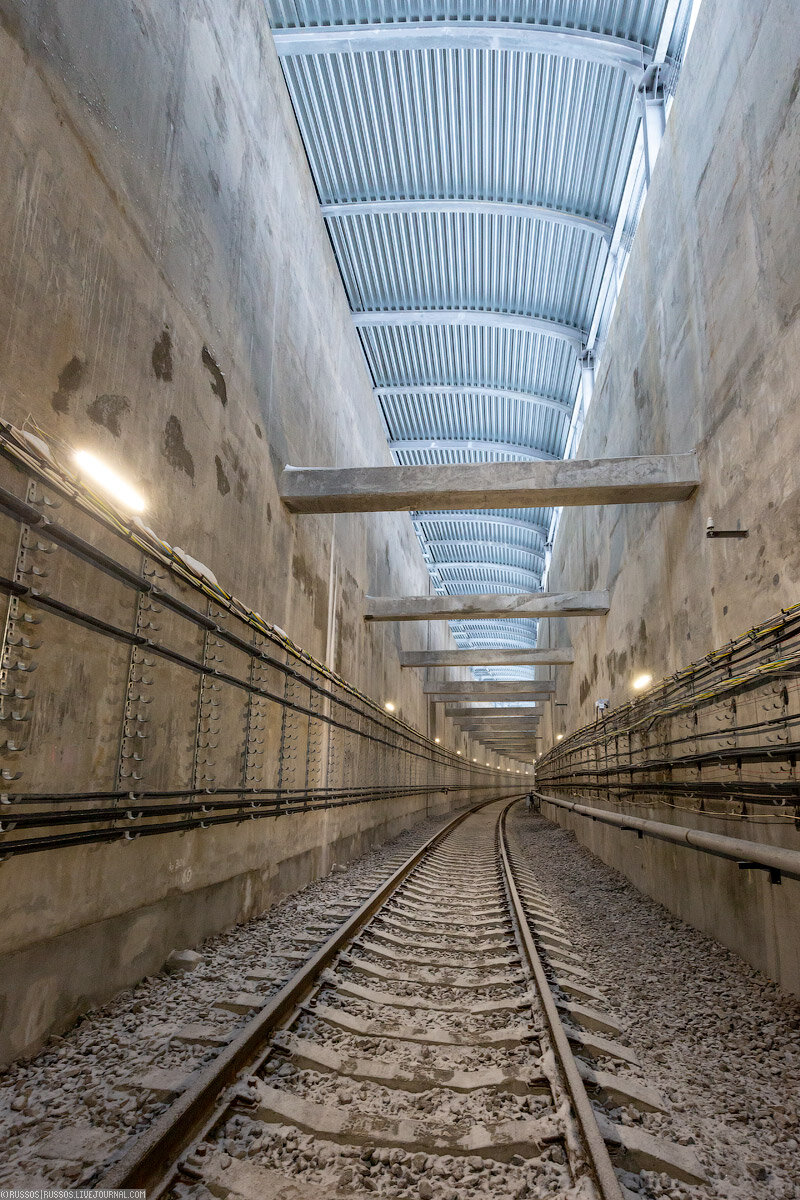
(161, 228)
(150, 904)
(169, 300)
(703, 350)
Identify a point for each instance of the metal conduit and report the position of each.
(747, 855)
(295, 736)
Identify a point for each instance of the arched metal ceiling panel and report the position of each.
(465, 391)
(517, 634)
(417, 354)
(525, 521)
(424, 455)
(469, 261)
(464, 449)
(480, 169)
(451, 552)
(468, 417)
(460, 124)
(624, 19)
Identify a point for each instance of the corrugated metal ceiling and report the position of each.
(480, 168)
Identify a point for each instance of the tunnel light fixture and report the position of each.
(390, 706)
(458, 751)
(642, 681)
(437, 740)
(109, 481)
(474, 760)
(559, 737)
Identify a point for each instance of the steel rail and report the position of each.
(150, 1162)
(595, 1149)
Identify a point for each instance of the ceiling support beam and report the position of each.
(485, 658)
(506, 736)
(563, 407)
(508, 739)
(509, 749)
(477, 730)
(449, 697)
(504, 640)
(498, 208)
(497, 715)
(466, 442)
(653, 478)
(477, 569)
(397, 36)
(471, 317)
(525, 721)
(534, 689)
(519, 605)
(488, 518)
(500, 715)
(440, 544)
(465, 709)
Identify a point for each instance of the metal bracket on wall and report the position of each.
(713, 532)
(774, 873)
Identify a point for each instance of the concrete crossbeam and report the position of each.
(485, 658)
(646, 479)
(491, 723)
(498, 718)
(479, 710)
(434, 699)
(518, 604)
(477, 736)
(510, 739)
(508, 734)
(493, 687)
(447, 697)
(494, 741)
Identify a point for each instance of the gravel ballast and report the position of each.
(68, 1113)
(718, 1039)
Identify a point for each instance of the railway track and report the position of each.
(444, 1042)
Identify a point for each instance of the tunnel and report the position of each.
(399, 504)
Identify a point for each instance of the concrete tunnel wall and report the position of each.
(170, 300)
(703, 350)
